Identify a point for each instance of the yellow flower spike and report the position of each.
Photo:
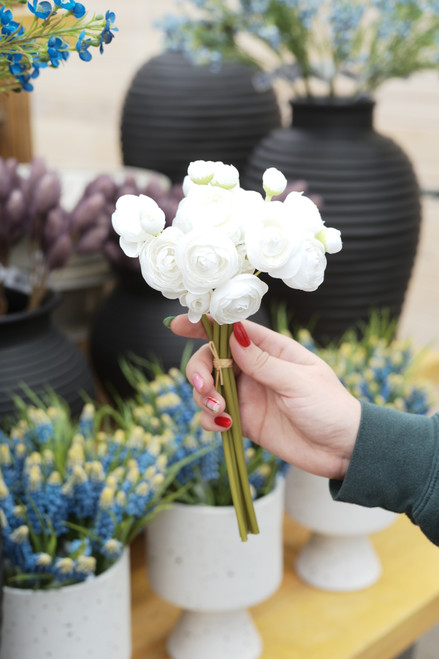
(101, 436)
(154, 423)
(54, 478)
(162, 462)
(112, 481)
(33, 459)
(79, 474)
(20, 534)
(3, 520)
(119, 436)
(157, 480)
(142, 489)
(106, 499)
(250, 452)
(48, 457)
(86, 564)
(4, 491)
(5, 455)
(133, 475)
(149, 473)
(43, 560)
(121, 499)
(96, 471)
(35, 478)
(112, 546)
(154, 447)
(65, 565)
(19, 511)
(78, 438)
(75, 455)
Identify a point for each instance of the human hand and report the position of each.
(290, 401)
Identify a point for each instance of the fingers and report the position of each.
(182, 326)
(261, 362)
(212, 404)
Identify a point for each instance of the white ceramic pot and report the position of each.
(197, 561)
(88, 620)
(339, 556)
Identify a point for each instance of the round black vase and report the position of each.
(35, 352)
(175, 112)
(369, 191)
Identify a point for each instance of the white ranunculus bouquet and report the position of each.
(221, 239)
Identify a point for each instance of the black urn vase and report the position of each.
(369, 192)
(175, 112)
(129, 324)
(35, 352)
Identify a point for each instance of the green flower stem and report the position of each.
(232, 439)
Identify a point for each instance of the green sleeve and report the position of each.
(395, 465)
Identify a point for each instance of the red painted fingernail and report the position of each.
(241, 335)
(223, 421)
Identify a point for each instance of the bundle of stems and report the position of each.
(232, 439)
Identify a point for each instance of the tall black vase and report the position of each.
(369, 191)
(34, 351)
(175, 112)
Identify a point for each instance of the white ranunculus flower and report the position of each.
(331, 239)
(137, 218)
(206, 259)
(225, 176)
(208, 207)
(158, 264)
(272, 240)
(201, 171)
(244, 265)
(197, 305)
(273, 182)
(312, 267)
(303, 211)
(237, 299)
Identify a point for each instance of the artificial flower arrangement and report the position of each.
(353, 45)
(74, 493)
(37, 218)
(221, 239)
(56, 29)
(165, 404)
(373, 364)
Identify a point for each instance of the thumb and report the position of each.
(273, 372)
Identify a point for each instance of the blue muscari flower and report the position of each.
(57, 506)
(107, 35)
(40, 9)
(82, 46)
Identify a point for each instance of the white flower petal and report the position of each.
(237, 299)
(304, 212)
(312, 267)
(158, 264)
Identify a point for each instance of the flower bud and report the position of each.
(60, 253)
(84, 214)
(273, 182)
(55, 224)
(331, 239)
(201, 171)
(225, 176)
(103, 184)
(92, 240)
(47, 193)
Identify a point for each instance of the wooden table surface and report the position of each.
(301, 622)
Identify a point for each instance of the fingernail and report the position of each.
(212, 404)
(223, 421)
(198, 382)
(241, 335)
(168, 320)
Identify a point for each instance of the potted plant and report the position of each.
(332, 56)
(74, 493)
(377, 367)
(194, 555)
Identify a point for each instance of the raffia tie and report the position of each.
(219, 364)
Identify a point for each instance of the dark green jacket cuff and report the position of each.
(395, 465)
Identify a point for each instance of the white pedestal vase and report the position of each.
(339, 556)
(197, 561)
(90, 620)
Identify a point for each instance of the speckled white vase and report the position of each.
(339, 555)
(197, 561)
(90, 620)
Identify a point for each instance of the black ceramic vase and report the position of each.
(176, 112)
(36, 352)
(129, 323)
(369, 191)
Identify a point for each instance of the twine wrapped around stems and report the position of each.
(232, 438)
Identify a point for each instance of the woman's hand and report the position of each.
(291, 402)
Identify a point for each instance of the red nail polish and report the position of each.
(241, 335)
(223, 421)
